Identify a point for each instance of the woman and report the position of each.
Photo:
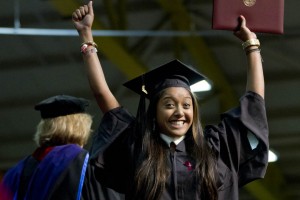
(165, 154)
(59, 160)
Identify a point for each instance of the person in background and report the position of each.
(163, 152)
(56, 169)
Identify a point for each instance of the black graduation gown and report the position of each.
(237, 162)
(93, 189)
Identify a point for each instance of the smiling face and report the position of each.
(174, 112)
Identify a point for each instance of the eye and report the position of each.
(186, 105)
(169, 105)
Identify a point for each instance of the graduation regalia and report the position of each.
(59, 175)
(56, 170)
(238, 161)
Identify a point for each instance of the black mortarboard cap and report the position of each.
(61, 105)
(171, 74)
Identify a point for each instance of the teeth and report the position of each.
(177, 122)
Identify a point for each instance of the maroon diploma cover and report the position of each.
(265, 16)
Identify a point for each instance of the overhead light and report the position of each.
(272, 156)
(201, 86)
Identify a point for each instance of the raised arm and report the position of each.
(255, 76)
(83, 18)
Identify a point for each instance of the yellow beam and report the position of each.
(116, 13)
(110, 47)
(261, 192)
(271, 186)
(112, 14)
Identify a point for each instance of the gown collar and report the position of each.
(169, 139)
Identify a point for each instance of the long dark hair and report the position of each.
(152, 170)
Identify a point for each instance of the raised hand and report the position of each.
(83, 17)
(242, 31)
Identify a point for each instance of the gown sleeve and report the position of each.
(112, 125)
(240, 141)
(93, 189)
(110, 153)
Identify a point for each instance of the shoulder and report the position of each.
(119, 113)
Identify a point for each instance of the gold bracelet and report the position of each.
(251, 42)
(90, 43)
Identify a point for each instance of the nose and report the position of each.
(179, 111)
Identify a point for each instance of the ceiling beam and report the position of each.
(116, 12)
(271, 187)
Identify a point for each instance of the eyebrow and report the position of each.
(172, 97)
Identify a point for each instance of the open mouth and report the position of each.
(178, 123)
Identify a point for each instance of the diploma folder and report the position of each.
(265, 16)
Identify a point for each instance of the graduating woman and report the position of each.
(164, 153)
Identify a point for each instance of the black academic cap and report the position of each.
(171, 74)
(61, 105)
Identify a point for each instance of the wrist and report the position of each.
(253, 42)
(251, 50)
(86, 35)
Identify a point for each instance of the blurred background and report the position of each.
(40, 57)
